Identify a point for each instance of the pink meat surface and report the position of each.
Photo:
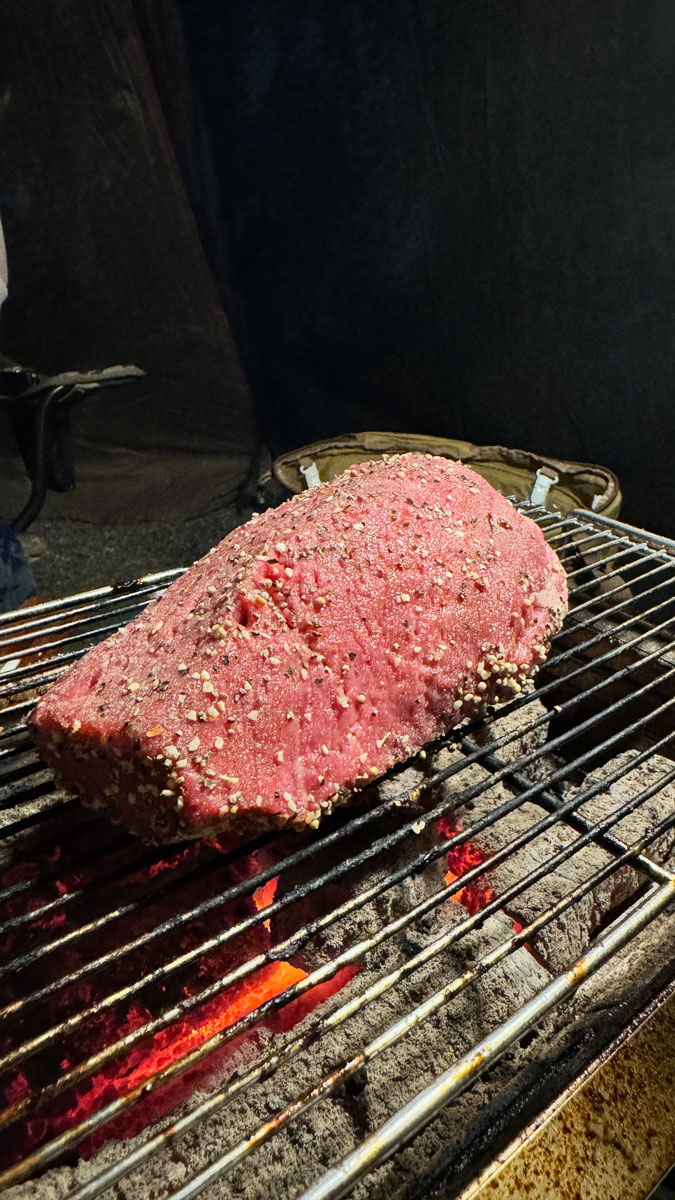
(314, 648)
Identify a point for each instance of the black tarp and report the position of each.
(453, 217)
(106, 264)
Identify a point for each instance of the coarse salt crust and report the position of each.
(314, 648)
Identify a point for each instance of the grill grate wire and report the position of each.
(622, 592)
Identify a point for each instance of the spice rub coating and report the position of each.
(306, 654)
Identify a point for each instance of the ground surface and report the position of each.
(72, 556)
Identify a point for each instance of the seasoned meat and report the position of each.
(311, 650)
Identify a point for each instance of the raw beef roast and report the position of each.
(311, 650)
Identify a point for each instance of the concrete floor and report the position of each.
(72, 556)
(129, 513)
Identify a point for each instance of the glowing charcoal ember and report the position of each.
(314, 648)
(139, 1064)
(169, 1046)
(475, 895)
(263, 896)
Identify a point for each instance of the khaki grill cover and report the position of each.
(513, 472)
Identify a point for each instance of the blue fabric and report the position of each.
(16, 577)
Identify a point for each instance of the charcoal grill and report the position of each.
(75, 891)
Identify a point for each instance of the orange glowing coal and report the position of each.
(179, 1039)
(165, 1047)
(151, 1055)
(264, 895)
(474, 896)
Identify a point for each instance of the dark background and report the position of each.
(453, 218)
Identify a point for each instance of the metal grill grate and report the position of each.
(87, 912)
